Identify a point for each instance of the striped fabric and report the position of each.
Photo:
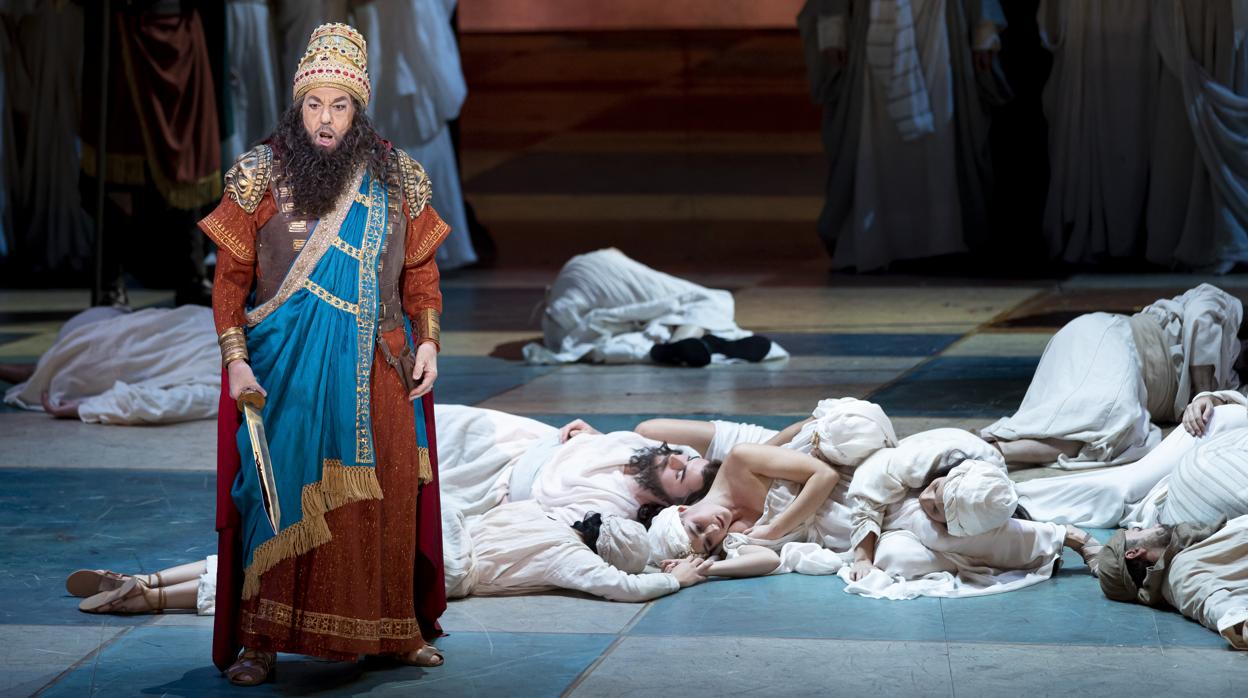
(893, 58)
(1211, 481)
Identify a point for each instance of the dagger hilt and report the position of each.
(251, 397)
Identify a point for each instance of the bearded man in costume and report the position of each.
(327, 303)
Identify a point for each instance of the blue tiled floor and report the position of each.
(56, 521)
(840, 344)
(959, 386)
(467, 380)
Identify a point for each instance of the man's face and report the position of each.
(932, 500)
(327, 116)
(1148, 543)
(680, 475)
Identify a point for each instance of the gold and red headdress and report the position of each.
(337, 56)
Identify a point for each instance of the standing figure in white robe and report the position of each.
(487, 458)
(1201, 570)
(906, 87)
(604, 307)
(1198, 179)
(252, 75)
(153, 366)
(44, 80)
(1103, 379)
(1146, 101)
(418, 89)
(521, 548)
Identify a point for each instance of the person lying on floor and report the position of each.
(1200, 569)
(1195, 474)
(520, 548)
(771, 495)
(606, 308)
(1104, 379)
(109, 366)
(188, 587)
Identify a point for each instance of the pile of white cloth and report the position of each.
(607, 308)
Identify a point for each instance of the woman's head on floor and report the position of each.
(974, 498)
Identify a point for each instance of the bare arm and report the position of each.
(753, 561)
(864, 557)
(772, 462)
(686, 432)
(788, 433)
(1203, 379)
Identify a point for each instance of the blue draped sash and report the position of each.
(311, 348)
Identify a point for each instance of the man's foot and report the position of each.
(84, 583)
(252, 668)
(131, 597)
(427, 656)
(686, 352)
(753, 348)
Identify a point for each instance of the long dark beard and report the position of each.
(316, 176)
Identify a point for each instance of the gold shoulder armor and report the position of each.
(248, 179)
(417, 188)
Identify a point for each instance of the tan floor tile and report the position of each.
(884, 310)
(1000, 344)
(481, 343)
(33, 345)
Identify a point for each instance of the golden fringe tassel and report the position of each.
(425, 472)
(339, 485)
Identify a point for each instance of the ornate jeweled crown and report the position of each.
(337, 56)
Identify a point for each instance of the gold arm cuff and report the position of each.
(233, 345)
(429, 327)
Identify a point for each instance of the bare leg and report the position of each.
(687, 432)
(1026, 452)
(16, 373)
(172, 576)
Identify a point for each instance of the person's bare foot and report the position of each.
(16, 373)
(67, 410)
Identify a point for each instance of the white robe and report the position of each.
(418, 87)
(153, 366)
(1130, 495)
(1090, 384)
(919, 557)
(253, 78)
(519, 548)
(1208, 582)
(604, 307)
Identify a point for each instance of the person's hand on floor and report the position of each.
(64, 410)
(575, 428)
(861, 569)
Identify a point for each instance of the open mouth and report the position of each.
(325, 137)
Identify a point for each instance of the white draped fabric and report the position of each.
(149, 367)
(256, 91)
(906, 198)
(1208, 582)
(1089, 387)
(1130, 495)
(418, 87)
(518, 548)
(607, 308)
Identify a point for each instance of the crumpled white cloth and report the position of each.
(623, 544)
(845, 431)
(148, 367)
(206, 590)
(667, 537)
(893, 58)
(604, 307)
(978, 497)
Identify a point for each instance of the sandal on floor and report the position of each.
(252, 668)
(84, 583)
(130, 597)
(427, 656)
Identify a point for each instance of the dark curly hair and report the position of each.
(647, 512)
(589, 529)
(645, 468)
(318, 176)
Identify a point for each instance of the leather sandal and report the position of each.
(252, 668)
(427, 656)
(130, 597)
(84, 583)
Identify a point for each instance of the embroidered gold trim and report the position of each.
(320, 292)
(425, 470)
(429, 244)
(362, 199)
(429, 326)
(311, 255)
(348, 248)
(298, 227)
(226, 238)
(339, 485)
(297, 244)
(366, 320)
(328, 624)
